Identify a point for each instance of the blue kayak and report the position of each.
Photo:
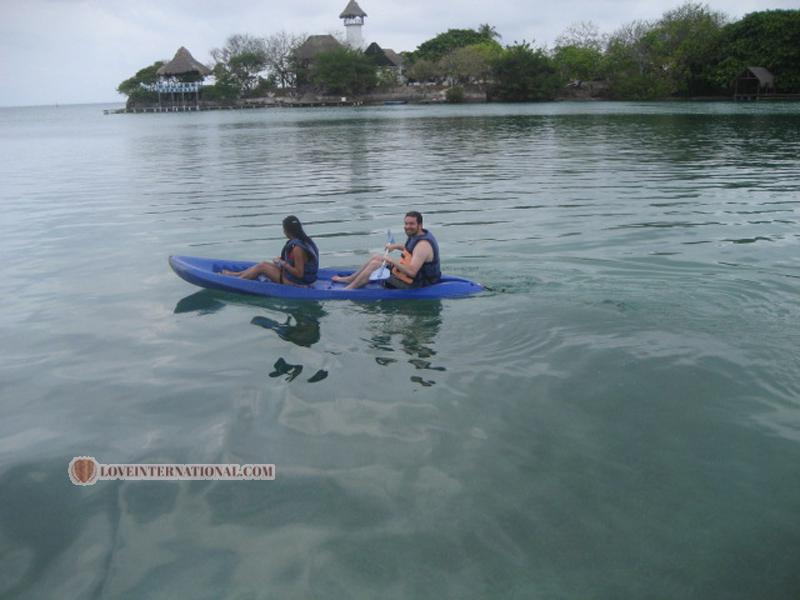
(206, 272)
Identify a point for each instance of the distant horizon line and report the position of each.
(59, 104)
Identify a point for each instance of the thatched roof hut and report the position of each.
(766, 80)
(393, 56)
(182, 64)
(383, 57)
(352, 10)
(314, 45)
(752, 82)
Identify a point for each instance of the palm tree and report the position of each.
(488, 31)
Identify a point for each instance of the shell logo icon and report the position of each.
(83, 470)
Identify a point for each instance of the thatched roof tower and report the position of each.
(183, 63)
(353, 22)
(352, 10)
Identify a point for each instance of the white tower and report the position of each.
(353, 22)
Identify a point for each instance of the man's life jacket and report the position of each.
(312, 260)
(429, 272)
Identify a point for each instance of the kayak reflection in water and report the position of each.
(297, 264)
(409, 327)
(302, 328)
(419, 266)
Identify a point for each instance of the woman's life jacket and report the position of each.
(312, 260)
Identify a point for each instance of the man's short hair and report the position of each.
(416, 215)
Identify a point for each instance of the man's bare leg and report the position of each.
(355, 274)
(362, 277)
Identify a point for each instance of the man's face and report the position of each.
(411, 226)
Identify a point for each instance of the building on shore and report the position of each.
(353, 17)
(181, 77)
(752, 83)
(182, 64)
(384, 57)
(315, 44)
(387, 61)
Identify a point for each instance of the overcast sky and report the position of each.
(76, 51)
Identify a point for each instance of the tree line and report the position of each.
(690, 51)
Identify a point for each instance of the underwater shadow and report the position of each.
(301, 327)
(302, 324)
(410, 328)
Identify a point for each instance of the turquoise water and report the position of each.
(619, 418)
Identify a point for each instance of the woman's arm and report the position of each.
(299, 259)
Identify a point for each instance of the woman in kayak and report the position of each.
(297, 264)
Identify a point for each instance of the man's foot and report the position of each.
(231, 273)
(342, 278)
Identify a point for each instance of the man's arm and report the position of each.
(423, 252)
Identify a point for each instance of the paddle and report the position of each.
(383, 271)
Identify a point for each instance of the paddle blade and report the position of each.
(380, 274)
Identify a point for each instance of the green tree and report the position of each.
(674, 56)
(575, 62)
(225, 88)
(131, 86)
(435, 48)
(470, 63)
(386, 78)
(769, 39)
(632, 74)
(522, 73)
(489, 32)
(344, 71)
(685, 46)
(423, 70)
(245, 69)
(455, 94)
(241, 61)
(579, 52)
(280, 50)
(583, 34)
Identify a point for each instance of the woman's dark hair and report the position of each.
(294, 228)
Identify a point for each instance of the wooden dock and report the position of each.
(769, 97)
(241, 106)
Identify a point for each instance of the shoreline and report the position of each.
(261, 103)
(415, 94)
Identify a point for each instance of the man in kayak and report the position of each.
(298, 263)
(419, 266)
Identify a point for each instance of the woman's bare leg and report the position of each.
(267, 269)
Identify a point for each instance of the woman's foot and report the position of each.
(230, 273)
(342, 278)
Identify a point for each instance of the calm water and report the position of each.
(619, 418)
